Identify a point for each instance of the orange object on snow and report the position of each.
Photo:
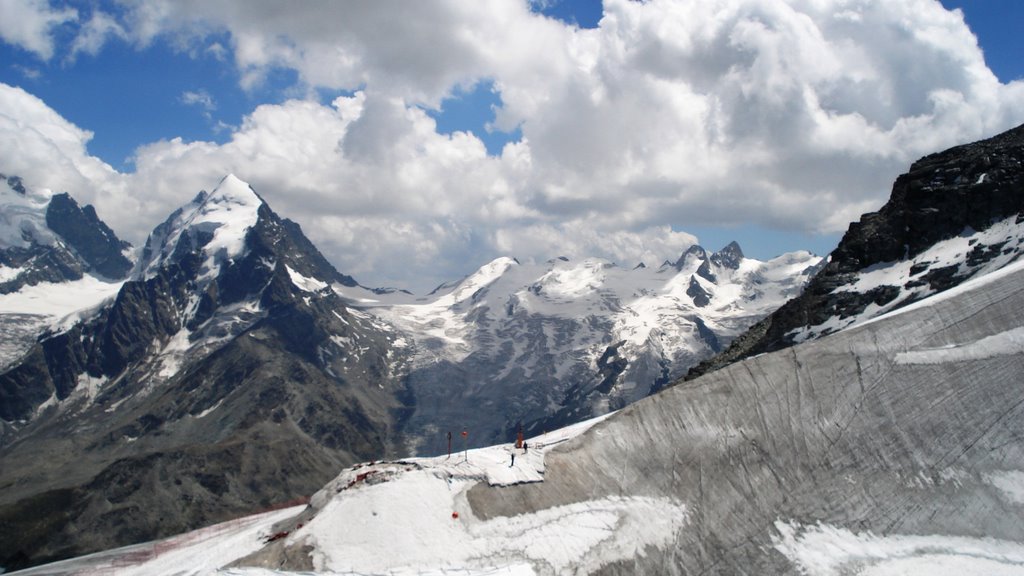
(455, 515)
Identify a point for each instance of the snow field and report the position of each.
(59, 300)
(412, 517)
(824, 550)
(409, 524)
(646, 305)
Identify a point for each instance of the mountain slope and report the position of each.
(956, 214)
(226, 376)
(903, 426)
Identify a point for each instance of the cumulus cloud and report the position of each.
(671, 114)
(29, 24)
(46, 150)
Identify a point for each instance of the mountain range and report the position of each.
(228, 366)
(882, 435)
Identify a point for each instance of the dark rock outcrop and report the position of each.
(700, 296)
(94, 241)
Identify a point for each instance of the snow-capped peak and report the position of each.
(216, 222)
(483, 277)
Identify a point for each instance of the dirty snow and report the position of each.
(1010, 483)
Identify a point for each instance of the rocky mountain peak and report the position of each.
(213, 227)
(83, 230)
(692, 254)
(728, 257)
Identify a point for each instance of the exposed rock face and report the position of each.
(227, 376)
(909, 249)
(91, 238)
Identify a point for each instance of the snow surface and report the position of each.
(1010, 483)
(412, 517)
(48, 306)
(824, 550)
(304, 283)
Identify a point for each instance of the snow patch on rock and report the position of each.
(305, 284)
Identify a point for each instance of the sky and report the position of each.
(415, 142)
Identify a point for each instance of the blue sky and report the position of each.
(578, 119)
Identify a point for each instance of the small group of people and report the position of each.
(526, 448)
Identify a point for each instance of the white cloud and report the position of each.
(29, 24)
(46, 150)
(672, 114)
(93, 35)
(201, 99)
